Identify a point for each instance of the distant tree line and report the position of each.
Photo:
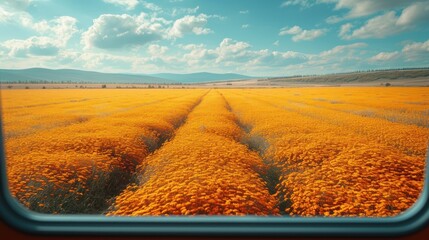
(84, 82)
(105, 86)
(45, 82)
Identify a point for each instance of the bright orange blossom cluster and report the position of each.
(335, 163)
(202, 171)
(65, 157)
(341, 151)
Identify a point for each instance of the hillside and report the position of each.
(357, 77)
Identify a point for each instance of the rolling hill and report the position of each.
(389, 75)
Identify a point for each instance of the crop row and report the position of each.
(402, 105)
(203, 170)
(329, 169)
(76, 168)
(411, 139)
(26, 112)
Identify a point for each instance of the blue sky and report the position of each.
(251, 37)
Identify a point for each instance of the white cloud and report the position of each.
(39, 46)
(62, 29)
(337, 55)
(230, 49)
(378, 27)
(222, 18)
(367, 7)
(190, 24)
(101, 61)
(151, 6)
(308, 35)
(276, 43)
(363, 8)
(411, 52)
(302, 3)
(345, 29)
(293, 30)
(105, 61)
(11, 16)
(67, 57)
(190, 47)
(244, 12)
(5, 15)
(341, 49)
(232, 55)
(306, 3)
(116, 31)
(198, 55)
(416, 51)
(337, 59)
(54, 34)
(334, 19)
(300, 34)
(184, 11)
(418, 12)
(50, 36)
(159, 59)
(244, 26)
(128, 4)
(156, 50)
(132, 4)
(385, 56)
(266, 58)
(388, 23)
(17, 4)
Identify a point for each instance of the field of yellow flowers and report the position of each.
(332, 151)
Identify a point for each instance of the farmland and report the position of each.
(310, 151)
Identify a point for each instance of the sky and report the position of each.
(250, 37)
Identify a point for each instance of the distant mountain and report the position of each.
(69, 75)
(75, 76)
(200, 77)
